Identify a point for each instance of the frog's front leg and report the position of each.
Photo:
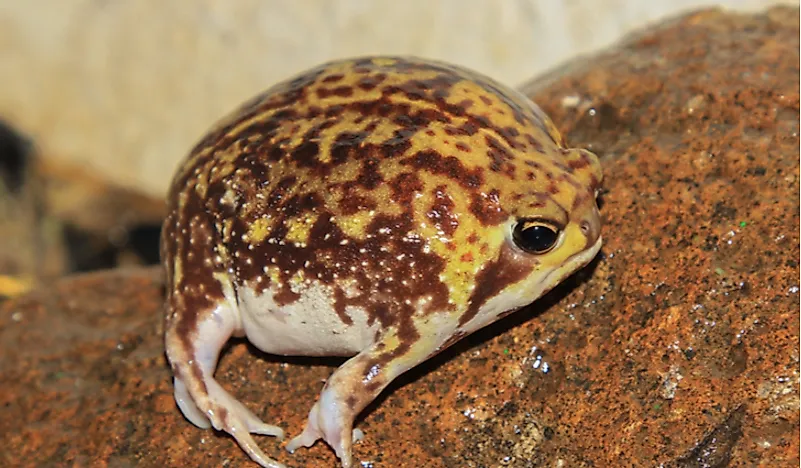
(357, 383)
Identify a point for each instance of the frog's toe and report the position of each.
(229, 415)
(250, 446)
(219, 409)
(307, 438)
(188, 407)
(266, 429)
(231, 412)
(311, 433)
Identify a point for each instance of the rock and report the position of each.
(678, 346)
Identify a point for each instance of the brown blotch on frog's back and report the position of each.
(280, 191)
(294, 92)
(465, 130)
(500, 157)
(464, 147)
(368, 83)
(306, 154)
(350, 145)
(518, 112)
(370, 177)
(434, 90)
(256, 169)
(441, 212)
(298, 204)
(429, 89)
(345, 145)
(398, 144)
(333, 78)
(449, 166)
(339, 91)
(262, 131)
(404, 186)
(215, 138)
(420, 119)
(353, 201)
(438, 89)
(487, 209)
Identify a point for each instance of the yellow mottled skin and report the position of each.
(379, 207)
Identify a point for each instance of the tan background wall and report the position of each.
(126, 86)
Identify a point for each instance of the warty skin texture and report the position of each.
(364, 208)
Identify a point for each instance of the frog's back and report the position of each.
(335, 117)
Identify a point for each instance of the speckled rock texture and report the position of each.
(677, 347)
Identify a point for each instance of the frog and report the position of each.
(377, 208)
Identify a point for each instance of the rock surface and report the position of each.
(677, 347)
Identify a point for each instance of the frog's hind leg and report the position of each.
(193, 342)
(358, 382)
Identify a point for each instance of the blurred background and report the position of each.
(108, 95)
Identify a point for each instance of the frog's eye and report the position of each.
(535, 236)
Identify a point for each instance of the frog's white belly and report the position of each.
(309, 326)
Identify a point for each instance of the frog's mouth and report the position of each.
(573, 263)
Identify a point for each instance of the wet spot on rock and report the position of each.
(715, 450)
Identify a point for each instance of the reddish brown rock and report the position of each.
(679, 346)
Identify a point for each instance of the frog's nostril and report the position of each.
(585, 227)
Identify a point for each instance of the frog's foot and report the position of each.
(219, 409)
(329, 425)
(203, 401)
(223, 410)
(352, 387)
(329, 421)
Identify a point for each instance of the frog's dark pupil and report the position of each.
(535, 238)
